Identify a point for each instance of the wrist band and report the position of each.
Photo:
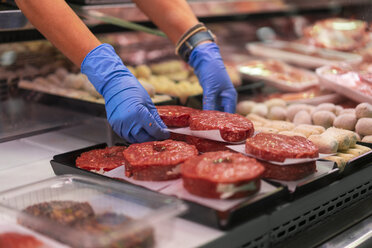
(191, 39)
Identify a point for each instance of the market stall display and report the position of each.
(279, 75)
(301, 55)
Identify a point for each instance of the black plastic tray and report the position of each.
(245, 89)
(65, 164)
(313, 183)
(357, 163)
(86, 107)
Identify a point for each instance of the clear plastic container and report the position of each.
(150, 212)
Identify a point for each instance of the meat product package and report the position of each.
(347, 81)
(175, 116)
(157, 160)
(221, 175)
(301, 55)
(279, 75)
(80, 216)
(100, 160)
(277, 147)
(232, 127)
(291, 172)
(338, 34)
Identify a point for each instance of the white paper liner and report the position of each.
(287, 161)
(323, 168)
(177, 189)
(48, 243)
(205, 134)
(153, 185)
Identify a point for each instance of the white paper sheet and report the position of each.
(153, 185)
(205, 134)
(178, 190)
(323, 168)
(12, 227)
(287, 161)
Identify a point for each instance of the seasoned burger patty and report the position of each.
(233, 127)
(277, 147)
(175, 116)
(157, 160)
(221, 175)
(64, 212)
(291, 172)
(202, 145)
(101, 159)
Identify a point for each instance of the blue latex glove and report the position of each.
(129, 108)
(218, 90)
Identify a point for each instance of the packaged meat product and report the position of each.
(232, 127)
(338, 34)
(157, 160)
(222, 175)
(19, 240)
(80, 215)
(175, 116)
(279, 75)
(100, 160)
(86, 212)
(292, 172)
(346, 81)
(303, 55)
(278, 147)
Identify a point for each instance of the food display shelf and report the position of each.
(12, 19)
(65, 164)
(291, 219)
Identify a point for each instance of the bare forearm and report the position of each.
(61, 26)
(173, 17)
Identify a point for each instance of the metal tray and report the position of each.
(357, 163)
(92, 108)
(65, 164)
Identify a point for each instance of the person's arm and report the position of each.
(173, 17)
(129, 108)
(61, 26)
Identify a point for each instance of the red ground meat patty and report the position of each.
(233, 127)
(277, 147)
(175, 116)
(157, 160)
(288, 172)
(203, 145)
(18, 240)
(221, 175)
(101, 159)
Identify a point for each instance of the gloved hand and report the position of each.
(218, 90)
(129, 108)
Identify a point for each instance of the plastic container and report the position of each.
(343, 84)
(261, 70)
(150, 212)
(300, 54)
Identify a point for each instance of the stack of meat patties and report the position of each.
(207, 167)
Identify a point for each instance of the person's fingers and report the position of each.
(228, 100)
(209, 100)
(151, 125)
(140, 135)
(155, 114)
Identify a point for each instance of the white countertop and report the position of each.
(26, 161)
